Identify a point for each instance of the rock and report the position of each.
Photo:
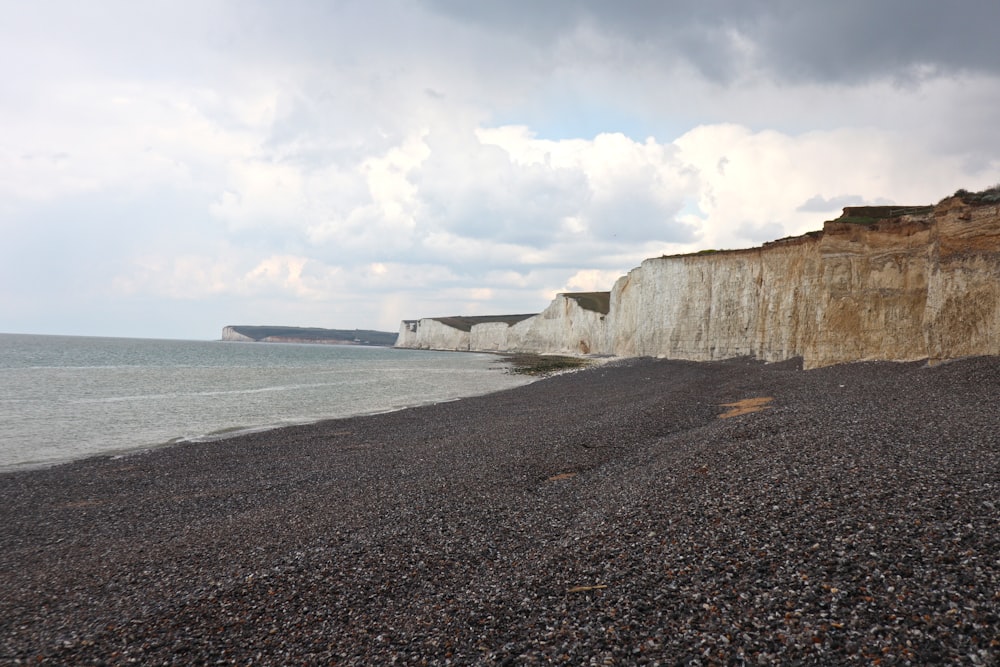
(879, 283)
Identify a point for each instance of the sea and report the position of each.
(69, 397)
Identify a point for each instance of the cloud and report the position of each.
(591, 280)
(818, 204)
(631, 191)
(352, 164)
(905, 41)
(491, 197)
(768, 175)
(475, 190)
(853, 41)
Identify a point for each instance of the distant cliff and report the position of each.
(276, 334)
(880, 282)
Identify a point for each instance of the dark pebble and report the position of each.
(600, 517)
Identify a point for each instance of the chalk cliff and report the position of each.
(229, 333)
(892, 283)
(455, 333)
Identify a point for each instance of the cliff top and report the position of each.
(465, 322)
(983, 198)
(871, 216)
(598, 302)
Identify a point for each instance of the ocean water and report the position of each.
(68, 397)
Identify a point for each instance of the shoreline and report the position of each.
(526, 365)
(208, 438)
(608, 514)
(129, 443)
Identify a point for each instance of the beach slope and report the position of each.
(849, 514)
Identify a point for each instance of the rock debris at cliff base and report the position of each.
(601, 517)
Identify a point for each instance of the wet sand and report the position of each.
(607, 516)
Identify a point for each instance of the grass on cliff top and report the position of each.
(871, 215)
(543, 364)
(466, 322)
(598, 302)
(857, 219)
(987, 196)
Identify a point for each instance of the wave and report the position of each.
(215, 392)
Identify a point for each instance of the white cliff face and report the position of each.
(230, 334)
(565, 327)
(916, 287)
(921, 285)
(430, 334)
(407, 336)
(495, 337)
(718, 306)
(692, 307)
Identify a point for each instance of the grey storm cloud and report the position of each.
(848, 41)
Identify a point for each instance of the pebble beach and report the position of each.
(637, 512)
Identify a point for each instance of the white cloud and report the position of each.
(752, 185)
(181, 277)
(820, 204)
(262, 194)
(510, 187)
(590, 280)
(351, 164)
(114, 137)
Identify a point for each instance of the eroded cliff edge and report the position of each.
(889, 283)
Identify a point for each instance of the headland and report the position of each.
(282, 334)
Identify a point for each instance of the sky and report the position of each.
(169, 167)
